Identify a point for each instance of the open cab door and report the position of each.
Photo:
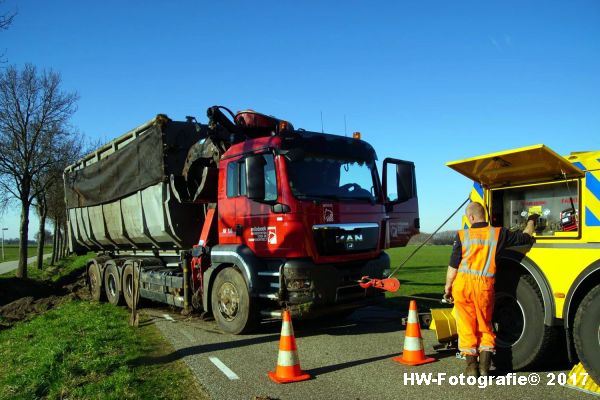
(533, 164)
(400, 191)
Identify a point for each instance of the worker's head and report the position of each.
(475, 212)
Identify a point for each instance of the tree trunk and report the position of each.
(64, 244)
(59, 243)
(66, 241)
(41, 236)
(23, 237)
(54, 244)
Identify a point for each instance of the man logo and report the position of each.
(349, 238)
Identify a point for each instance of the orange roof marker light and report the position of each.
(356, 135)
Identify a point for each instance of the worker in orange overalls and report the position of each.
(470, 282)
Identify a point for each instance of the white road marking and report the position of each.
(224, 369)
(168, 317)
(188, 336)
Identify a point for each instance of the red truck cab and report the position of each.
(301, 217)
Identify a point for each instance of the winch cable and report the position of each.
(428, 239)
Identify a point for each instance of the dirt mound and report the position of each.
(12, 289)
(22, 299)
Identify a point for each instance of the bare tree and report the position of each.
(50, 203)
(57, 214)
(5, 21)
(34, 116)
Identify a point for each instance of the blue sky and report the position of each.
(428, 81)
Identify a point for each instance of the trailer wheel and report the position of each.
(128, 285)
(232, 307)
(112, 284)
(522, 338)
(95, 282)
(586, 332)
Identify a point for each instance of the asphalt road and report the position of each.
(350, 359)
(10, 265)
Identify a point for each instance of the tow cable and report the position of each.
(392, 284)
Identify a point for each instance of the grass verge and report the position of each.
(54, 273)
(423, 276)
(85, 350)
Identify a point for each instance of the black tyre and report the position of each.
(586, 332)
(128, 285)
(232, 307)
(112, 284)
(522, 339)
(95, 282)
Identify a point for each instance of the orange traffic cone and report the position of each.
(288, 366)
(413, 353)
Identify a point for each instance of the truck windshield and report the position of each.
(322, 176)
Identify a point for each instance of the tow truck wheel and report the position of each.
(95, 282)
(522, 339)
(586, 333)
(232, 307)
(112, 284)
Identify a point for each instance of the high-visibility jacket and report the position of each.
(473, 289)
(479, 251)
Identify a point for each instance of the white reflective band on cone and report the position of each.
(412, 317)
(413, 344)
(286, 329)
(287, 358)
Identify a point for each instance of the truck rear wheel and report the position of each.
(95, 282)
(128, 285)
(112, 284)
(522, 339)
(586, 333)
(232, 307)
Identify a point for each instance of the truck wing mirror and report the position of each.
(255, 177)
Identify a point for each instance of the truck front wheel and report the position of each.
(232, 307)
(586, 332)
(522, 338)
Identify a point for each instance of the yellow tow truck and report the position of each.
(547, 296)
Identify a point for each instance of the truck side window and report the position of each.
(233, 179)
(242, 173)
(236, 178)
(556, 203)
(270, 178)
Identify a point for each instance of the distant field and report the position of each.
(423, 276)
(11, 252)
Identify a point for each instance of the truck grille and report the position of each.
(339, 239)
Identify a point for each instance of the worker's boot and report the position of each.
(472, 366)
(485, 361)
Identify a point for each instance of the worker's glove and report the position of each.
(534, 218)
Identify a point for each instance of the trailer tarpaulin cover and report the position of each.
(133, 167)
